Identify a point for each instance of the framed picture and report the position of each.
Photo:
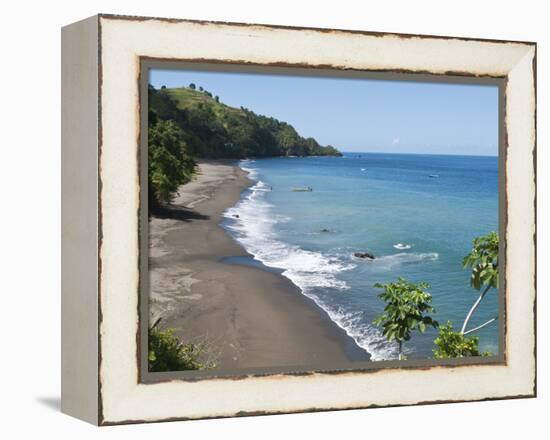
(264, 219)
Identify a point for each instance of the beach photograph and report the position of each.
(320, 222)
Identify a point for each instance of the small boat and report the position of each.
(433, 176)
(308, 189)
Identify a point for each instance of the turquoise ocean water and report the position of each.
(417, 214)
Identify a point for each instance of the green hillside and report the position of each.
(213, 129)
(188, 123)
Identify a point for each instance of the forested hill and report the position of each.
(212, 129)
(186, 124)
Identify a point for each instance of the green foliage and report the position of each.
(167, 353)
(170, 165)
(212, 129)
(192, 86)
(407, 309)
(483, 259)
(329, 150)
(451, 344)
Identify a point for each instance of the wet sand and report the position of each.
(247, 317)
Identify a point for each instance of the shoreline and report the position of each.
(246, 316)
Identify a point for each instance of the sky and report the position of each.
(362, 115)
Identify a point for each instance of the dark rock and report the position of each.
(236, 215)
(364, 255)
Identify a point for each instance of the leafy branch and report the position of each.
(483, 259)
(407, 309)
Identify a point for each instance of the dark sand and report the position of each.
(248, 317)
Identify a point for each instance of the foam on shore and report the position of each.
(251, 223)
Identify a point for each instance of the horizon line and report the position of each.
(419, 154)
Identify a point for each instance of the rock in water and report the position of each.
(364, 255)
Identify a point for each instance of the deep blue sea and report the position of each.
(417, 214)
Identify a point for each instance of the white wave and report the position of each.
(388, 262)
(252, 174)
(253, 228)
(402, 246)
(245, 165)
(366, 336)
(251, 224)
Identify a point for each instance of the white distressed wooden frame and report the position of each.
(101, 122)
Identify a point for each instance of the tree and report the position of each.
(407, 309)
(217, 98)
(201, 89)
(163, 87)
(169, 162)
(452, 344)
(483, 259)
(192, 86)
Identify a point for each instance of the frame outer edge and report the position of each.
(108, 422)
(535, 205)
(79, 224)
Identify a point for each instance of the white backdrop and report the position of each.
(30, 216)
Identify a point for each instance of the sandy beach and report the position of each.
(248, 317)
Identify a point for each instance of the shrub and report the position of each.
(167, 353)
(451, 344)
